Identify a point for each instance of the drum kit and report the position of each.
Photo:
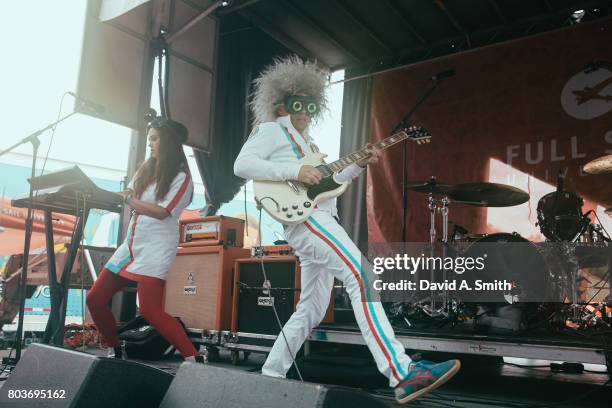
(559, 214)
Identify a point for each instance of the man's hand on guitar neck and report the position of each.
(309, 175)
(372, 158)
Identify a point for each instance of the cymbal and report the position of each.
(430, 186)
(600, 165)
(488, 194)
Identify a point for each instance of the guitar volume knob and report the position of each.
(300, 212)
(307, 204)
(289, 215)
(294, 206)
(285, 209)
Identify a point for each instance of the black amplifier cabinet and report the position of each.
(254, 326)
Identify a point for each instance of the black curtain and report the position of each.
(243, 51)
(355, 133)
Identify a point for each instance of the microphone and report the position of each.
(96, 107)
(443, 75)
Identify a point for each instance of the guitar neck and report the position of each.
(349, 159)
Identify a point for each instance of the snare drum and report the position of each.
(560, 216)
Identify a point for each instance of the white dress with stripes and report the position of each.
(150, 245)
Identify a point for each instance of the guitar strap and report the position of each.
(294, 144)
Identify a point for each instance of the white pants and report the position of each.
(326, 251)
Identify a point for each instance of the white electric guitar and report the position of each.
(292, 202)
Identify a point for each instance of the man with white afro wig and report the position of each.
(288, 95)
(287, 76)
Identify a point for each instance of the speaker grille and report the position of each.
(254, 315)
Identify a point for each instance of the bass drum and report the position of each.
(512, 258)
(560, 216)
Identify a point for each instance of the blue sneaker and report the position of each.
(425, 376)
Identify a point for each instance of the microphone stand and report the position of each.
(404, 124)
(33, 138)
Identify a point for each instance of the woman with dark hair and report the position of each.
(158, 193)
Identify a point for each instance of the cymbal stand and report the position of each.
(432, 205)
(444, 211)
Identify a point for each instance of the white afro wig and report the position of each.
(287, 76)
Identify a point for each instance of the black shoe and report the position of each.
(115, 352)
(198, 358)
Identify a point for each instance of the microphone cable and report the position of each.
(53, 129)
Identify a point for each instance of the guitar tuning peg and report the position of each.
(427, 140)
(418, 142)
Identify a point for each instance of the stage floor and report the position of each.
(567, 346)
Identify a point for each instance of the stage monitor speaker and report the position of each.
(199, 385)
(53, 377)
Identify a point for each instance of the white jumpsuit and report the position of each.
(150, 245)
(325, 251)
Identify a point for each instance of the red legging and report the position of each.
(150, 296)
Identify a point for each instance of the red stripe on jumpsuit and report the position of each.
(295, 142)
(362, 290)
(298, 147)
(179, 194)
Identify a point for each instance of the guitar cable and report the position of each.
(265, 276)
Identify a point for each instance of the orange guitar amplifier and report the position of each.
(199, 286)
(272, 250)
(278, 250)
(253, 298)
(213, 230)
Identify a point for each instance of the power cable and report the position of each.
(265, 277)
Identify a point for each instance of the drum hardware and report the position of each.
(593, 233)
(444, 211)
(430, 186)
(433, 188)
(587, 316)
(459, 233)
(433, 207)
(478, 194)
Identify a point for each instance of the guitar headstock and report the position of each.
(417, 134)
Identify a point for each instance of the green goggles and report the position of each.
(306, 104)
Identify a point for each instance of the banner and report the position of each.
(516, 113)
